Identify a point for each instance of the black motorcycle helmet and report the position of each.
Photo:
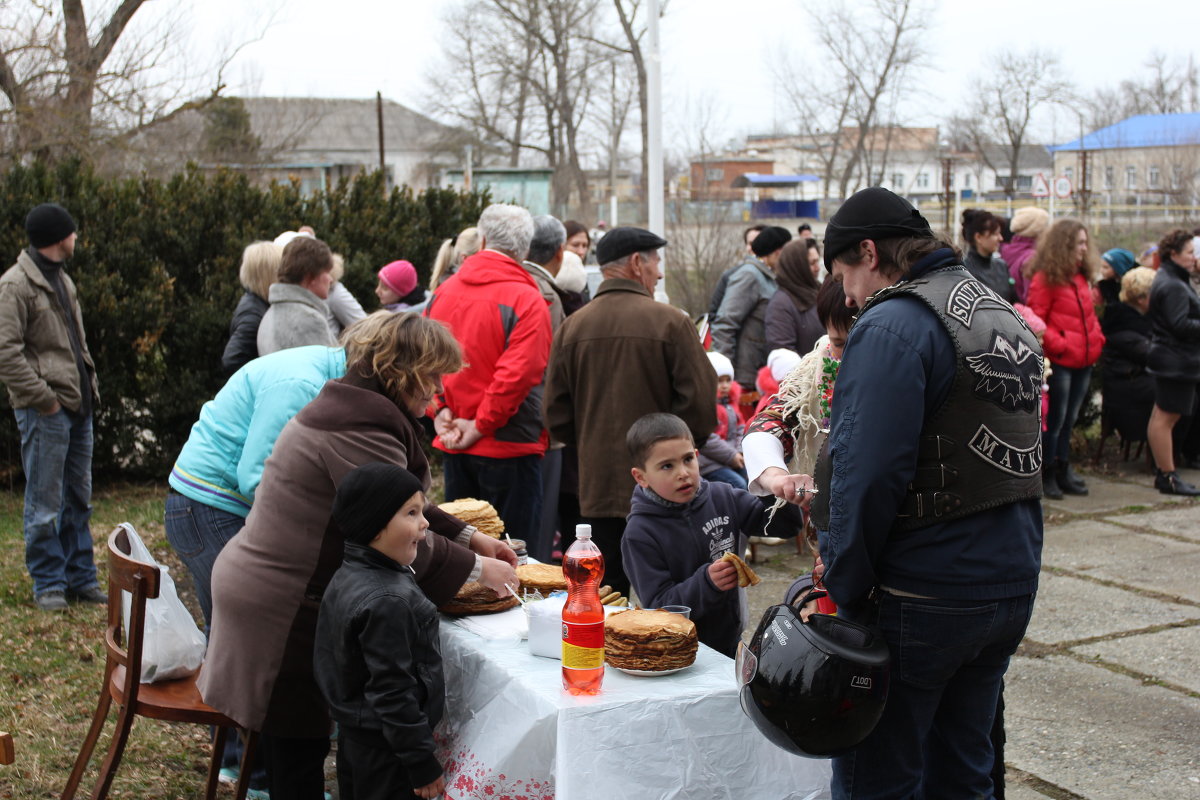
(814, 688)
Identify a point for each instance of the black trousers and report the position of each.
(607, 533)
(368, 773)
(295, 767)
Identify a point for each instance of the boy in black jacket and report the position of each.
(679, 527)
(376, 657)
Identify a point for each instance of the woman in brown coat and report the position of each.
(268, 581)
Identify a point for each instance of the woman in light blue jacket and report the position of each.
(214, 478)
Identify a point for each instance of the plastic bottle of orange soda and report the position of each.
(583, 616)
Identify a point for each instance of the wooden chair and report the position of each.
(173, 701)
(7, 756)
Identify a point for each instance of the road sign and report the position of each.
(1041, 186)
(1062, 187)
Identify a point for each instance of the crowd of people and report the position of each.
(299, 502)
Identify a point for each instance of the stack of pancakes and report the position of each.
(544, 578)
(479, 513)
(475, 598)
(650, 641)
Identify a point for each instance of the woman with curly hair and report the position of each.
(1060, 293)
(1174, 354)
(268, 580)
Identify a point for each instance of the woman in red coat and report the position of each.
(1060, 293)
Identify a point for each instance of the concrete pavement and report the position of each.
(1103, 697)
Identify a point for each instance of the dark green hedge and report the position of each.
(156, 265)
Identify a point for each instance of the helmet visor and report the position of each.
(745, 665)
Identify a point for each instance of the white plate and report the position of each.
(650, 673)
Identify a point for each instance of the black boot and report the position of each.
(1050, 488)
(1068, 481)
(1171, 483)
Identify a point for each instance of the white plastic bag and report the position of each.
(172, 645)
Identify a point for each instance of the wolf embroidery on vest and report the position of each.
(1010, 374)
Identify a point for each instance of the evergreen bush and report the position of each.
(156, 266)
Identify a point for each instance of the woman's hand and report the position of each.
(798, 489)
(492, 548)
(498, 575)
(431, 790)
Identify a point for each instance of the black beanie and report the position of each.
(769, 240)
(873, 213)
(48, 224)
(369, 496)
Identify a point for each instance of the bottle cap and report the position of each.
(583, 531)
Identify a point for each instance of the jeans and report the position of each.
(197, 532)
(728, 475)
(948, 663)
(1068, 390)
(56, 453)
(512, 485)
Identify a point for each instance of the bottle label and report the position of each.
(582, 645)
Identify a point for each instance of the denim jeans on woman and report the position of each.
(1068, 390)
(56, 453)
(934, 739)
(197, 532)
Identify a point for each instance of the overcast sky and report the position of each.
(711, 48)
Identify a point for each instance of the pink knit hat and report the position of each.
(400, 277)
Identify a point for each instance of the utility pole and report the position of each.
(948, 181)
(379, 125)
(654, 158)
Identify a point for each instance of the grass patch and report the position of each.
(51, 667)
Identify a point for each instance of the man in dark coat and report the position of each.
(933, 523)
(618, 358)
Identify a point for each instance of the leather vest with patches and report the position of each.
(983, 447)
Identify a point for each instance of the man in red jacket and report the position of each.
(489, 424)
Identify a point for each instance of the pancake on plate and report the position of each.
(649, 640)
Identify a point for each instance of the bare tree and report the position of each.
(1008, 98)
(519, 75)
(75, 86)
(844, 95)
(1167, 87)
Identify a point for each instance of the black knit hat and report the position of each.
(873, 213)
(48, 224)
(769, 240)
(369, 496)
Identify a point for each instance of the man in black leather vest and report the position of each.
(934, 524)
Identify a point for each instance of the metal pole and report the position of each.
(468, 172)
(946, 197)
(379, 122)
(654, 157)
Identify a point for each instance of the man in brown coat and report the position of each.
(618, 358)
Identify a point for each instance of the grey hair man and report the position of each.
(489, 421)
(618, 358)
(51, 380)
(506, 229)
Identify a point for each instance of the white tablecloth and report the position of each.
(510, 731)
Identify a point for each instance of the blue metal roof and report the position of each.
(1147, 130)
(776, 180)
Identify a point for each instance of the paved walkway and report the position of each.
(1104, 695)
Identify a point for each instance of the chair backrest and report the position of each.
(141, 580)
(7, 756)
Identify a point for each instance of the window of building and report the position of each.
(1152, 177)
(714, 174)
(1024, 183)
(1131, 177)
(1176, 176)
(1108, 177)
(1070, 173)
(898, 179)
(967, 180)
(922, 180)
